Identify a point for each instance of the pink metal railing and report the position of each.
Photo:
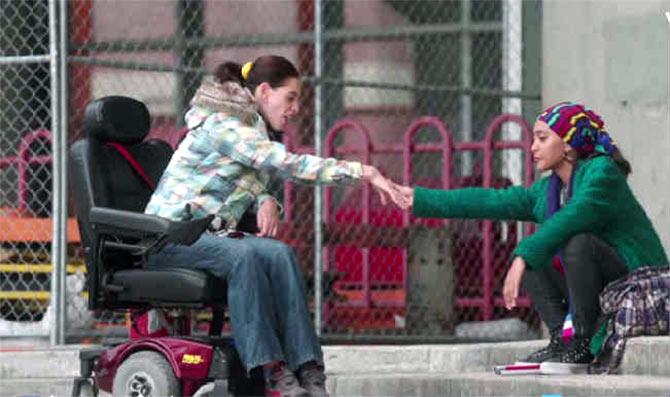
(487, 301)
(340, 126)
(23, 161)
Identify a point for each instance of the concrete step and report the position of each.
(46, 362)
(36, 387)
(422, 384)
(63, 361)
(649, 355)
(425, 358)
(488, 384)
(643, 356)
(418, 370)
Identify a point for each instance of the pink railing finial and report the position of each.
(524, 143)
(26, 158)
(329, 151)
(447, 147)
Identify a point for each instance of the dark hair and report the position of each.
(619, 160)
(271, 69)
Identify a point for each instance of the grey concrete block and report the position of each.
(425, 358)
(353, 359)
(488, 384)
(643, 356)
(54, 362)
(479, 357)
(647, 355)
(42, 387)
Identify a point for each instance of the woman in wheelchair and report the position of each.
(222, 168)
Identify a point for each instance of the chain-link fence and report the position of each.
(380, 64)
(25, 185)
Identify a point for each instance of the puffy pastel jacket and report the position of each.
(223, 165)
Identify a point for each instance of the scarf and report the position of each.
(580, 127)
(553, 206)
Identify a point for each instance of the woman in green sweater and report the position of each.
(591, 229)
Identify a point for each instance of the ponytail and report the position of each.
(271, 69)
(621, 161)
(228, 71)
(617, 157)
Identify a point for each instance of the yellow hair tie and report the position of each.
(246, 69)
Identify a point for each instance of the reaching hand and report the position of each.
(387, 190)
(408, 196)
(513, 282)
(268, 218)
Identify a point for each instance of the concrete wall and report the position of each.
(613, 56)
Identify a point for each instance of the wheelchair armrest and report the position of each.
(187, 232)
(109, 218)
(132, 224)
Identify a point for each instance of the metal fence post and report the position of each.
(61, 135)
(189, 19)
(58, 206)
(512, 80)
(318, 149)
(466, 84)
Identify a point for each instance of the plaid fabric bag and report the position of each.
(634, 305)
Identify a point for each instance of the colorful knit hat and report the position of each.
(580, 127)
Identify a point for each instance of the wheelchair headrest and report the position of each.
(117, 118)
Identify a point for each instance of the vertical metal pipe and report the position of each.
(512, 160)
(318, 191)
(487, 233)
(512, 81)
(62, 137)
(189, 19)
(57, 285)
(466, 83)
(367, 272)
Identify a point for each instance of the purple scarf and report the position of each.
(553, 206)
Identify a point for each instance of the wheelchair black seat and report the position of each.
(113, 173)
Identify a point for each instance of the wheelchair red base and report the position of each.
(161, 365)
(174, 366)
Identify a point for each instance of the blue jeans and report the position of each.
(266, 295)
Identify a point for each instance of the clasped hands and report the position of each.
(389, 191)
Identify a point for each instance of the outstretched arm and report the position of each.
(481, 203)
(247, 145)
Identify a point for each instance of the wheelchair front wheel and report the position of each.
(145, 374)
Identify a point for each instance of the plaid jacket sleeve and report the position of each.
(250, 146)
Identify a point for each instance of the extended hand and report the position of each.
(407, 194)
(268, 218)
(387, 190)
(513, 282)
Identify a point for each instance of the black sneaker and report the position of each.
(574, 360)
(313, 380)
(551, 351)
(283, 383)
